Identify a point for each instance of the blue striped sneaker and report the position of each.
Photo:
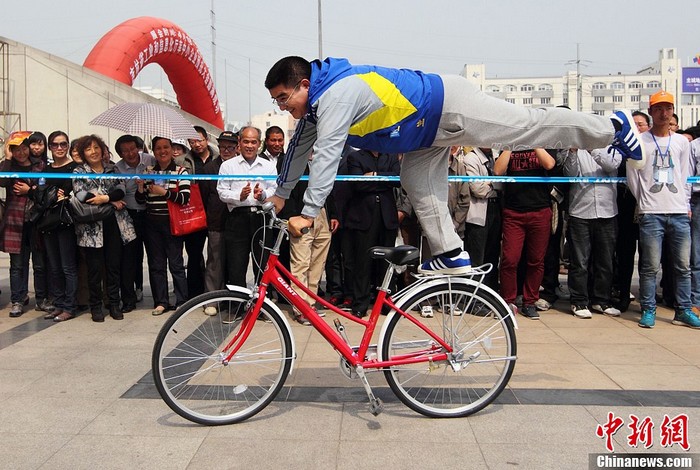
(460, 264)
(627, 140)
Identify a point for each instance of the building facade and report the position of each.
(598, 94)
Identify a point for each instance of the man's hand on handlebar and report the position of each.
(299, 225)
(277, 201)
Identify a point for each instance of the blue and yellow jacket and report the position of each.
(368, 107)
(411, 104)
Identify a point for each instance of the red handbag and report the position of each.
(188, 218)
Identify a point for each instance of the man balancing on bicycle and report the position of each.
(421, 115)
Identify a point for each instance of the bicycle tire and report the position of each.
(190, 375)
(483, 331)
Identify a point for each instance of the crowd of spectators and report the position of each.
(527, 233)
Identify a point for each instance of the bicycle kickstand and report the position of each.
(376, 405)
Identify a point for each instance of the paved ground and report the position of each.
(79, 395)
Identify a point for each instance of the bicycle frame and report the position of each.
(275, 275)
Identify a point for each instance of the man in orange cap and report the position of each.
(663, 200)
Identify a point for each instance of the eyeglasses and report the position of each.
(227, 148)
(284, 101)
(55, 145)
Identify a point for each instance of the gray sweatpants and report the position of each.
(472, 118)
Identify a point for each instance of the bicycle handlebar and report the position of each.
(269, 208)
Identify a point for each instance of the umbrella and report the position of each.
(147, 119)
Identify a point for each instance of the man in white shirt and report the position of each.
(663, 199)
(243, 197)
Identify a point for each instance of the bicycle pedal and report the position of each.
(376, 406)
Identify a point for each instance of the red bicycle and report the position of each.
(447, 346)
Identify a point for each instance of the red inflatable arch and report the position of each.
(125, 50)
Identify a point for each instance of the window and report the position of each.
(510, 100)
(599, 99)
(566, 100)
(493, 89)
(545, 100)
(527, 100)
(617, 99)
(544, 87)
(654, 84)
(634, 98)
(510, 88)
(617, 86)
(599, 113)
(635, 85)
(527, 87)
(599, 86)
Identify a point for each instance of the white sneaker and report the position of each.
(211, 311)
(581, 311)
(426, 311)
(606, 310)
(542, 305)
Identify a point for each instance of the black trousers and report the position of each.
(626, 246)
(243, 233)
(105, 260)
(367, 271)
(484, 243)
(164, 250)
(592, 244)
(194, 246)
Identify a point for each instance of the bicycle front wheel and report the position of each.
(482, 338)
(188, 362)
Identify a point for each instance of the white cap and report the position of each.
(182, 142)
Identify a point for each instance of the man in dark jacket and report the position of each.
(214, 273)
(371, 219)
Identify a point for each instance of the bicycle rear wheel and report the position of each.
(188, 365)
(481, 334)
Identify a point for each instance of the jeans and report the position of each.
(61, 253)
(592, 243)
(132, 261)
(653, 229)
(695, 250)
(19, 275)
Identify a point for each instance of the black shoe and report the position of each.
(126, 308)
(529, 311)
(359, 314)
(98, 317)
(116, 313)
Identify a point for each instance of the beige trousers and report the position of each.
(309, 252)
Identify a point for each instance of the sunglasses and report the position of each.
(55, 145)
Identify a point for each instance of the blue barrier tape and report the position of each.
(494, 179)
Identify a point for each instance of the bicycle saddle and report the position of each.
(399, 255)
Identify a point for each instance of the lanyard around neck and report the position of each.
(663, 155)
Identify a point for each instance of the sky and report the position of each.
(514, 38)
